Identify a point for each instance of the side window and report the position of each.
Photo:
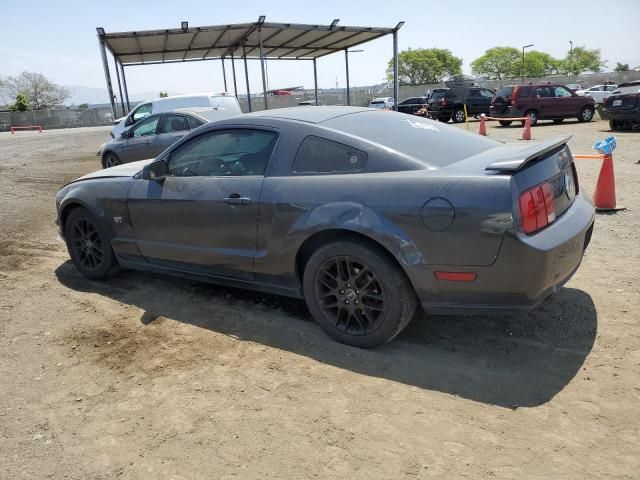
(524, 92)
(173, 123)
(141, 112)
(561, 92)
(145, 128)
(319, 155)
(544, 92)
(194, 123)
(486, 93)
(223, 153)
(474, 93)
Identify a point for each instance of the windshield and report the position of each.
(427, 141)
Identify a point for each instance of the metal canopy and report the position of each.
(280, 41)
(246, 41)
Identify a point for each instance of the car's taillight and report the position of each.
(537, 208)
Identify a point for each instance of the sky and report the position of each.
(58, 38)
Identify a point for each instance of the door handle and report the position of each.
(236, 199)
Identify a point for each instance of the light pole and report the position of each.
(525, 46)
(570, 57)
(346, 63)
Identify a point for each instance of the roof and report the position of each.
(280, 41)
(308, 114)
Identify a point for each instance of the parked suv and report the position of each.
(412, 104)
(541, 101)
(622, 107)
(448, 103)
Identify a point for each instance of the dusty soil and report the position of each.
(147, 376)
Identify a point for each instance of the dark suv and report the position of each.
(622, 107)
(541, 101)
(412, 104)
(448, 103)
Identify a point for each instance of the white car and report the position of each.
(598, 92)
(385, 103)
(220, 101)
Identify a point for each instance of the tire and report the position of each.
(504, 123)
(458, 115)
(501, 104)
(613, 125)
(533, 117)
(89, 246)
(444, 118)
(558, 120)
(357, 294)
(586, 114)
(110, 160)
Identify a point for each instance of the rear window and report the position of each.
(438, 94)
(319, 155)
(427, 141)
(505, 91)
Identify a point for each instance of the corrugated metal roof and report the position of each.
(279, 41)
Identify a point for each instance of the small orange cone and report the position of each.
(605, 194)
(483, 125)
(526, 132)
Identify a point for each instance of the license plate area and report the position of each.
(617, 103)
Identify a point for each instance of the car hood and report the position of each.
(125, 170)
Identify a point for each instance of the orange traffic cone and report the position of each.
(605, 195)
(483, 125)
(526, 132)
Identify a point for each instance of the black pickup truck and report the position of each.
(448, 103)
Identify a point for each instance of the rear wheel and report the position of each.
(88, 245)
(357, 294)
(458, 115)
(111, 160)
(504, 123)
(533, 117)
(586, 114)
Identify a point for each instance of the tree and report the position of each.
(498, 63)
(163, 94)
(580, 60)
(21, 103)
(539, 64)
(83, 106)
(425, 65)
(40, 91)
(621, 67)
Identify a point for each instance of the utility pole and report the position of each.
(525, 46)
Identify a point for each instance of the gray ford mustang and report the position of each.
(362, 213)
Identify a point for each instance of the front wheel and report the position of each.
(111, 160)
(88, 245)
(586, 114)
(504, 123)
(357, 294)
(459, 116)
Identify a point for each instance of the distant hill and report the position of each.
(96, 95)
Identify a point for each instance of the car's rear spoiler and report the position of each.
(513, 157)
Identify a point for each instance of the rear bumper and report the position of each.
(629, 115)
(527, 271)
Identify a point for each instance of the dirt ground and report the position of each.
(145, 376)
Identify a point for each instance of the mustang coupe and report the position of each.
(362, 213)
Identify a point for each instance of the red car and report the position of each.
(541, 101)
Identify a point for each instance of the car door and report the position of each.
(546, 102)
(138, 143)
(203, 217)
(474, 102)
(172, 127)
(567, 103)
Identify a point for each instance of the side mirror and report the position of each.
(125, 134)
(156, 171)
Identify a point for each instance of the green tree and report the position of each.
(425, 65)
(582, 59)
(83, 106)
(163, 94)
(621, 67)
(498, 63)
(21, 103)
(539, 64)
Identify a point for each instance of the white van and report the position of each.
(220, 101)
